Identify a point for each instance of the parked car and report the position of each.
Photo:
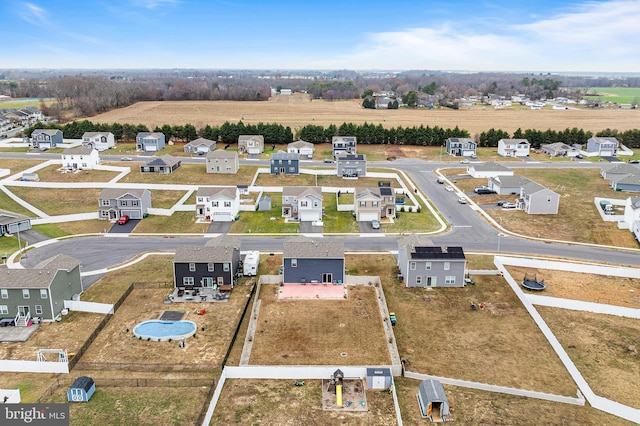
(328, 160)
(449, 188)
(501, 202)
(126, 159)
(123, 219)
(509, 206)
(482, 190)
(634, 161)
(440, 180)
(464, 162)
(462, 200)
(375, 224)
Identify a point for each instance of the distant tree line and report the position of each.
(367, 133)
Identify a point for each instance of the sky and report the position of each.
(390, 35)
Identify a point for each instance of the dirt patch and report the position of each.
(586, 287)
(327, 329)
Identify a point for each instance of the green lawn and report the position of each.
(335, 221)
(621, 95)
(8, 245)
(7, 203)
(260, 222)
(422, 221)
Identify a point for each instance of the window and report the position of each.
(304, 203)
(135, 203)
(44, 294)
(363, 203)
(105, 202)
(211, 267)
(226, 267)
(450, 279)
(192, 266)
(38, 309)
(215, 204)
(187, 280)
(374, 204)
(412, 266)
(25, 293)
(418, 280)
(292, 169)
(294, 263)
(4, 293)
(4, 309)
(427, 266)
(315, 204)
(447, 266)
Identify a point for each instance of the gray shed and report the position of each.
(264, 204)
(433, 402)
(379, 378)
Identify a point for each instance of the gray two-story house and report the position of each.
(251, 144)
(306, 261)
(460, 147)
(375, 203)
(303, 203)
(351, 165)
(604, 147)
(423, 264)
(150, 141)
(213, 265)
(284, 163)
(46, 138)
(115, 202)
(341, 145)
(41, 291)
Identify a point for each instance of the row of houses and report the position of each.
(600, 146)
(11, 118)
(622, 176)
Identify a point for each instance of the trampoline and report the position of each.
(533, 283)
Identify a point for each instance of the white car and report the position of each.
(449, 188)
(462, 200)
(465, 162)
(509, 206)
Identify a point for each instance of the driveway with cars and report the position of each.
(124, 228)
(366, 228)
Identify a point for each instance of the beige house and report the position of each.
(221, 161)
(251, 144)
(374, 203)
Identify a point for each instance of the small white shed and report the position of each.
(379, 378)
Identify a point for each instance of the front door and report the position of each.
(220, 281)
(431, 281)
(207, 282)
(282, 170)
(327, 278)
(23, 311)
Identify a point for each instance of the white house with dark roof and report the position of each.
(115, 202)
(514, 147)
(222, 161)
(536, 199)
(200, 146)
(217, 203)
(602, 146)
(505, 185)
(80, 158)
(303, 203)
(488, 170)
(101, 141)
(302, 148)
(307, 261)
(341, 145)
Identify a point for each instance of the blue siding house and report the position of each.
(306, 261)
(461, 147)
(150, 141)
(284, 163)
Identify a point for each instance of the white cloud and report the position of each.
(33, 14)
(591, 37)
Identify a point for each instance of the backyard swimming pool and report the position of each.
(161, 331)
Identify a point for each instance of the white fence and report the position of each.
(10, 396)
(583, 267)
(20, 366)
(96, 308)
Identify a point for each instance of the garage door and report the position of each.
(367, 217)
(309, 216)
(133, 214)
(606, 153)
(150, 148)
(222, 217)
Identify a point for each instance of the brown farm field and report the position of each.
(298, 110)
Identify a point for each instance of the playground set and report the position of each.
(340, 394)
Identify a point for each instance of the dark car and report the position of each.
(634, 161)
(501, 202)
(482, 190)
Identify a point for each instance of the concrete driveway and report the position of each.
(124, 229)
(366, 228)
(308, 228)
(219, 227)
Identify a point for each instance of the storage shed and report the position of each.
(379, 378)
(433, 402)
(81, 390)
(264, 204)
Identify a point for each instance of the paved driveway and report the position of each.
(124, 229)
(219, 227)
(366, 228)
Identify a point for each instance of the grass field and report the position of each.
(620, 95)
(298, 110)
(25, 102)
(60, 201)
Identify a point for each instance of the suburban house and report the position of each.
(374, 203)
(306, 261)
(46, 138)
(41, 291)
(604, 147)
(632, 215)
(251, 144)
(559, 149)
(221, 161)
(11, 223)
(488, 170)
(200, 146)
(303, 203)
(302, 148)
(284, 163)
(460, 147)
(514, 147)
(100, 140)
(115, 202)
(213, 265)
(351, 165)
(150, 141)
(611, 170)
(164, 164)
(505, 185)
(80, 158)
(629, 182)
(424, 265)
(341, 145)
(536, 199)
(217, 203)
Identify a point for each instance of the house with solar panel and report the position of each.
(423, 264)
(375, 203)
